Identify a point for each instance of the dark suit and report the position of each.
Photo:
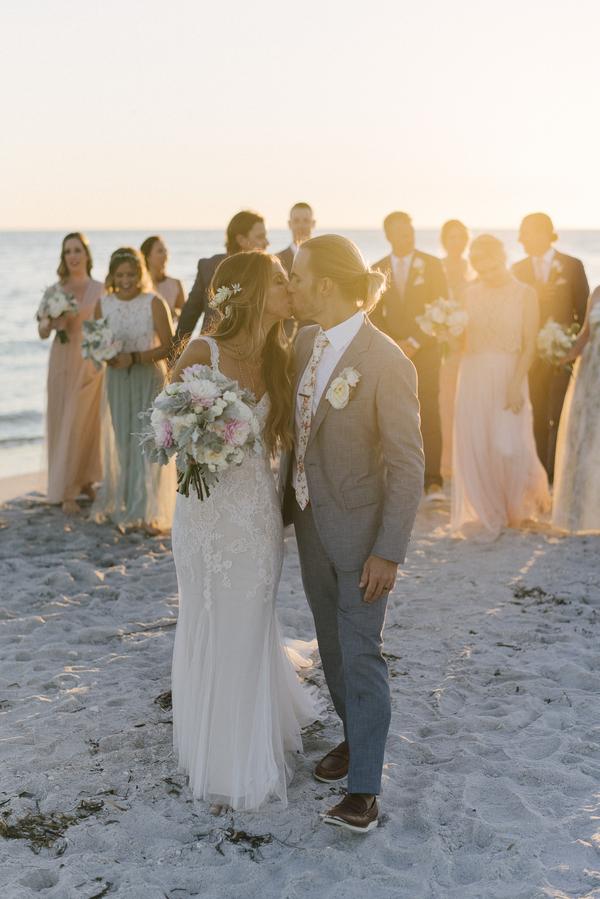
(197, 302)
(562, 297)
(396, 315)
(286, 258)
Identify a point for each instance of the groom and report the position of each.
(352, 491)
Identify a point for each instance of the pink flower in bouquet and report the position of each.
(164, 434)
(236, 432)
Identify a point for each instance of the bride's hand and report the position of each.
(514, 397)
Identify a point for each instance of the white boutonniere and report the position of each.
(418, 268)
(556, 266)
(341, 387)
(561, 281)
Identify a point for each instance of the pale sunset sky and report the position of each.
(175, 114)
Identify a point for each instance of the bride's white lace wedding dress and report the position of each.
(238, 705)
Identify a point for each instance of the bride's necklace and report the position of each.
(252, 371)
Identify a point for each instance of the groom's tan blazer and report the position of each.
(364, 463)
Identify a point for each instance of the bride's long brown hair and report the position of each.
(244, 312)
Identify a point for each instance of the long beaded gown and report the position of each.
(238, 705)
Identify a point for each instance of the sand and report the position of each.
(493, 763)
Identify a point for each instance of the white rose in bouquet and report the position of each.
(443, 319)
(207, 422)
(98, 342)
(57, 301)
(554, 341)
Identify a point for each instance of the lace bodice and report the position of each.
(131, 321)
(495, 317)
(262, 407)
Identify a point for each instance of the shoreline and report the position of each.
(18, 486)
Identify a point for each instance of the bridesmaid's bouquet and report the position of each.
(56, 301)
(99, 343)
(554, 341)
(443, 319)
(207, 422)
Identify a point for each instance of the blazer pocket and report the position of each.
(361, 495)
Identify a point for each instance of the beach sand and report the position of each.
(493, 761)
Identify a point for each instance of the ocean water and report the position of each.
(28, 262)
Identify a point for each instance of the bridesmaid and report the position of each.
(577, 478)
(170, 289)
(74, 385)
(498, 479)
(454, 238)
(135, 492)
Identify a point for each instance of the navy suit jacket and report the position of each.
(565, 294)
(286, 258)
(197, 302)
(396, 314)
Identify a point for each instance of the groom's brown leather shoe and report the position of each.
(356, 812)
(334, 766)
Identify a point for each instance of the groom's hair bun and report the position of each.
(339, 259)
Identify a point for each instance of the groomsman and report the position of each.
(245, 231)
(301, 223)
(413, 280)
(563, 291)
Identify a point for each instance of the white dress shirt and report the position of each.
(339, 339)
(542, 265)
(400, 269)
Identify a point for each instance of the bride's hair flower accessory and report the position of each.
(222, 294)
(340, 389)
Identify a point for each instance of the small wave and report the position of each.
(20, 417)
(12, 442)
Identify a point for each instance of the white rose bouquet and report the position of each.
(555, 340)
(56, 301)
(99, 343)
(207, 422)
(443, 319)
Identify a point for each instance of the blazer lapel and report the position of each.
(350, 357)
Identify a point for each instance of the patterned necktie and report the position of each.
(306, 391)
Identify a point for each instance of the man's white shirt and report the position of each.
(543, 264)
(400, 269)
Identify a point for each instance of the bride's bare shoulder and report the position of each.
(197, 352)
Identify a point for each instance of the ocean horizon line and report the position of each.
(320, 229)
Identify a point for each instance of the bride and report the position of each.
(238, 705)
(577, 479)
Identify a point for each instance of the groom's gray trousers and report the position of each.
(349, 632)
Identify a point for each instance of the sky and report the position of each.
(177, 114)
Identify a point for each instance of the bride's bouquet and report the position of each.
(554, 341)
(443, 319)
(56, 301)
(207, 422)
(99, 343)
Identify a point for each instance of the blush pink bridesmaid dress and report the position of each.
(73, 410)
(498, 479)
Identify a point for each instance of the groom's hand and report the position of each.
(378, 577)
